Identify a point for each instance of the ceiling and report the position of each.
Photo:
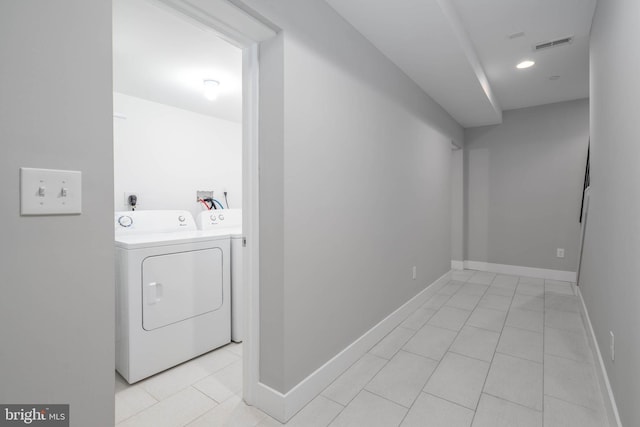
(162, 56)
(460, 52)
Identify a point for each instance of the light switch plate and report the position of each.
(50, 192)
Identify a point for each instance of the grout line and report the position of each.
(527, 309)
(492, 309)
(137, 413)
(484, 384)
(574, 332)
(577, 362)
(515, 403)
(580, 362)
(448, 350)
(387, 360)
(332, 419)
(389, 400)
(524, 358)
(469, 357)
(413, 332)
(523, 329)
(450, 401)
(148, 407)
(326, 397)
(575, 404)
(422, 387)
(443, 356)
(421, 355)
(421, 326)
(351, 366)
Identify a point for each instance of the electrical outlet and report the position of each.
(560, 252)
(415, 272)
(612, 346)
(128, 194)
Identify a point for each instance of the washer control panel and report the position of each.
(216, 218)
(125, 221)
(153, 221)
(219, 218)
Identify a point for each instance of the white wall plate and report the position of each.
(50, 192)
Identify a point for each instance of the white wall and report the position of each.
(165, 154)
(610, 268)
(355, 175)
(56, 272)
(524, 182)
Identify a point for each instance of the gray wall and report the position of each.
(523, 186)
(355, 189)
(610, 269)
(272, 299)
(56, 308)
(457, 205)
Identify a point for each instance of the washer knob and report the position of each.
(221, 217)
(125, 221)
(213, 217)
(181, 218)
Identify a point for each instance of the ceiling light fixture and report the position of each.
(211, 89)
(525, 64)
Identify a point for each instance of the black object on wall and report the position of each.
(587, 180)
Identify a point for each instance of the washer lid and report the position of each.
(150, 240)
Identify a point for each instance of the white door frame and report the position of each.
(246, 32)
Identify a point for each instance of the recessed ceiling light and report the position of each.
(525, 64)
(211, 89)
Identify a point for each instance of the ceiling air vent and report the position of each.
(553, 43)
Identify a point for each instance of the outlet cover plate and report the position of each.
(612, 346)
(201, 195)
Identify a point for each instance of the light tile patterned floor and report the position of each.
(486, 351)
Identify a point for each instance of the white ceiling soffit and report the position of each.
(426, 39)
(163, 56)
(489, 24)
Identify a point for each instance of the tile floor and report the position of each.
(486, 351)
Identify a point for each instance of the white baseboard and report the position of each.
(284, 406)
(457, 265)
(516, 270)
(269, 401)
(609, 400)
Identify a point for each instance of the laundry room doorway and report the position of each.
(186, 140)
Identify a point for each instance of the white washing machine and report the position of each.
(172, 291)
(229, 221)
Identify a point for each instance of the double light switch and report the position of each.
(50, 192)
